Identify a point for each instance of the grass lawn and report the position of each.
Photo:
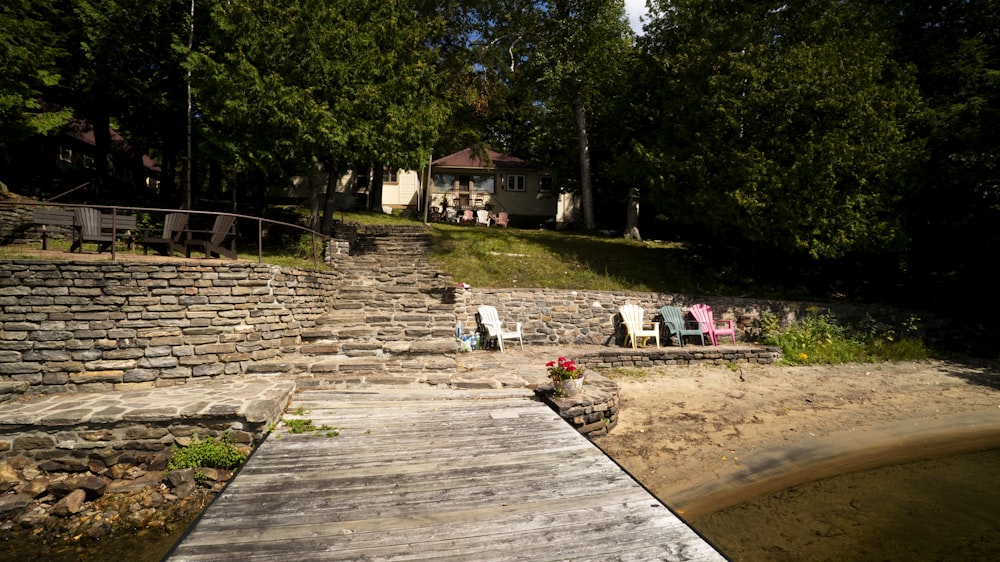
(513, 257)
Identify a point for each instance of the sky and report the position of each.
(635, 8)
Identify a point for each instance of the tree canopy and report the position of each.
(820, 131)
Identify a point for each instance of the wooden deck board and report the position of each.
(435, 476)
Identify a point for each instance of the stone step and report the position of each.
(405, 342)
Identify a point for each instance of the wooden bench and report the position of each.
(89, 225)
(53, 217)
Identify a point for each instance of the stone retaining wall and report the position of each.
(98, 447)
(99, 326)
(690, 355)
(561, 317)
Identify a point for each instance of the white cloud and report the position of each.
(634, 9)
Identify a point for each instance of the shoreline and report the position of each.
(703, 439)
(843, 453)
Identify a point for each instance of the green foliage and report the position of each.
(817, 338)
(788, 124)
(625, 372)
(304, 425)
(316, 81)
(29, 51)
(207, 453)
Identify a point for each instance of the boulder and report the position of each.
(71, 504)
(9, 477)
(93, 486)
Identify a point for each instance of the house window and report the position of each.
(88, 161)
(545, 184)
(444, 182)
(516, 182)
(65, 154)
(482, 184)
(390, 176)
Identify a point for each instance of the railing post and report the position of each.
(114, 232)
(260, 241)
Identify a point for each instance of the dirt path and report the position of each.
(704, 438)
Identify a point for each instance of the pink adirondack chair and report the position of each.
(711, 327)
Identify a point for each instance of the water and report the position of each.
(148, 545)
(940, 509)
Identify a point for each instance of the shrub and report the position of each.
(207, 453)
(817, 338)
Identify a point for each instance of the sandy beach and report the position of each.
(703, 438)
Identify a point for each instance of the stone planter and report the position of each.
(594, 412)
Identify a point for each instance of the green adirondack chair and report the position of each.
(673, 319)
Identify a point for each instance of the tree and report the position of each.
(29, 53)
(787, 124)
(581, 48)
(955, 47)
(287, 85)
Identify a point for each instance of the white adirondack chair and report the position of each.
(490, 321)
(632, 318)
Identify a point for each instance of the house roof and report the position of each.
(83, 131)
(468, 159)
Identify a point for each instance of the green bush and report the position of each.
(817, 338)
(207, 453)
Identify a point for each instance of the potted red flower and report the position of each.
(567, 377)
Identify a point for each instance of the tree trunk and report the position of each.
(586, 190)
(375, 188)
(632, 215)
(332, 175)
(314, 196)
(187, 189)
(101, 123)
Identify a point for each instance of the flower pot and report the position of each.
(571, 387)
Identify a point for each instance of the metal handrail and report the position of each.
(115, 208)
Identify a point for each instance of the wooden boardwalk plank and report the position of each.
(417, 475)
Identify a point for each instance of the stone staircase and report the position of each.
(392, 316)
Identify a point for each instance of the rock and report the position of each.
(119, 470)
(71, 504)
(154, 499)
(11, 503)
(181, 476)
(34, 518)
(141, 517)
(34, 488)
(63, 465)
(20, 462)
(184, 489)
(182, 481)
(92, 485)
(9, 477)
(159, 462)
(217, 474)
(99, 531)
(148, 480)
(97, 466)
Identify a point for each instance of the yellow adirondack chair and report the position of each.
(632, 318)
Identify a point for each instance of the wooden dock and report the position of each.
(419, 474)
